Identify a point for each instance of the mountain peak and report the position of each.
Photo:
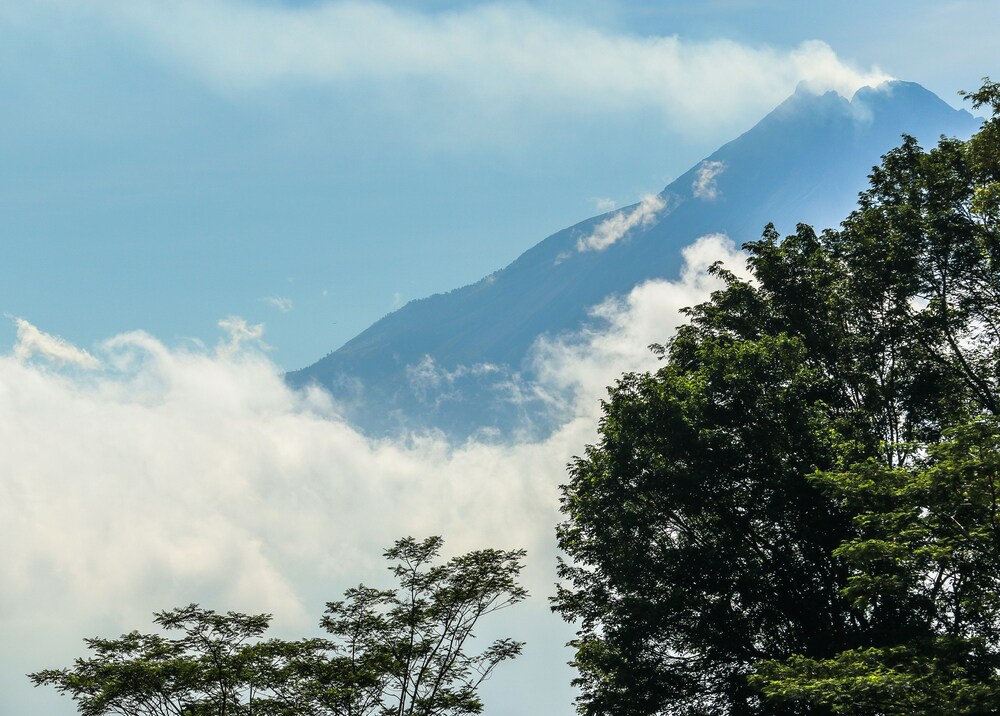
(807, 99)
(805, 161)
(806, 88)
(897, 90)
(894, 96)
(900, 98)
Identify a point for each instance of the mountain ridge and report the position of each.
(804, 161)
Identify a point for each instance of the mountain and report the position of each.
(448, 361)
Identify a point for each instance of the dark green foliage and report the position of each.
(925, 580)
(737, 537)
(400, 652)
(219, 665)
(698, 547)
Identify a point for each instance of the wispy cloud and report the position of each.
(32, 342)
(280, 302)
(497, 54)
(616, 227)
(603, 203)
(704, 186)
(238, 334)
(432, 383)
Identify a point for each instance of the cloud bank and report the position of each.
(174, 475)
(497, 55)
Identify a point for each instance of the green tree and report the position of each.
(396, 652)
(219, 665)
(926, 559)
(698, 546)
(405, 649)
(705, 553)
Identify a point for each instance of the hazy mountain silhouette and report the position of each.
(445, 361)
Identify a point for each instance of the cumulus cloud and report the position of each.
(704, 187)
(497, 54)
(616, 227)
(183, 474)
(32, 342)
(574, 369)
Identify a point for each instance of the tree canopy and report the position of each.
(794, 513)
(393, 652)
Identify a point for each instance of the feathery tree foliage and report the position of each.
(396, 652)
(404, 650)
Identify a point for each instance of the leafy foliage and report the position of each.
(404, 649)
(399, 652)
(219, 665)
(763, 526)
(698, 546)
(925, 560)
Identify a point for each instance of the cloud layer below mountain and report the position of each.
(146, 476)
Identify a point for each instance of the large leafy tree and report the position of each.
(394, 652)
(924, 556)
(925, 560)
(709, 564)
(698, 547)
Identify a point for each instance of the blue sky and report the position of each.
(312, 165)
(308, 166)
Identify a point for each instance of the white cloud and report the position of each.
(495, 55)
(432, 383)
(183, 474)
(280, 302)
(616, 227)
(33, 342)
(704, 187)
(574, 369)
(238, 333)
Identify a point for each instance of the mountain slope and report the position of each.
(444, 361)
